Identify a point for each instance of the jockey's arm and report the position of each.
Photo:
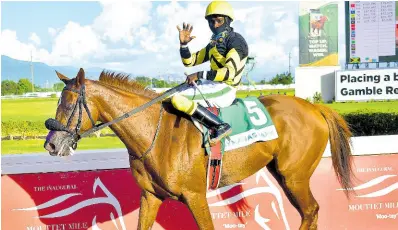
(235, 62)
(194, 59)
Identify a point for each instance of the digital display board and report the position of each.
(371, 31)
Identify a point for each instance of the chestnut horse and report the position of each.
(175, 164)
(319, 24)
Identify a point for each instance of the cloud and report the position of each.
(295, 54)
(76, 43)
(268, 52)
(52, 31)
(174, 14)
(141, 37)
(34, 38)
(120, 55)
(119, 20)
(148, 40)
(12, 47)
(271, 33)
(286, 30)
(252, 20)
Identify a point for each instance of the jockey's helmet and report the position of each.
(219, 8)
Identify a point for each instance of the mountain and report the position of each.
(12, 69)
(43, 74)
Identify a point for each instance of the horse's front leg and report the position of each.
(197, 204)
(148, 210)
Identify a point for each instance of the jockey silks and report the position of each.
(227, 53)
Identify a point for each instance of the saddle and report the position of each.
(250, 122)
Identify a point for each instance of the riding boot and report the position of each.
(219, 128)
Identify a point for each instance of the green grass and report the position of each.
(36, 146)
(40, 109)
(35, 109)
(385, 106)
(242, 94)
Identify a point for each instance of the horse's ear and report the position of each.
(80, 77)
(62, 77)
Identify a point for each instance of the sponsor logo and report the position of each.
(108, 199)
(374, 182)
(249, 137)
(277, 207)
(374, 189)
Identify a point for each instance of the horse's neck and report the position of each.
(136, 131)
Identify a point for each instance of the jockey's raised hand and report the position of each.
(185, 33)
(227, 52)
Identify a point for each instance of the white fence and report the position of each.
(263, 87)
(118, 158)
(32, 95)
(246, 87)
(158, 90)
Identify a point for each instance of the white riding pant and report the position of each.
(218, 94)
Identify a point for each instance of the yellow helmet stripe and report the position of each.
(220, 7)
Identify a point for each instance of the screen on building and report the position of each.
(371, 31)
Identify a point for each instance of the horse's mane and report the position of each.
(124, 82)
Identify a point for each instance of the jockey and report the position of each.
(227, 52)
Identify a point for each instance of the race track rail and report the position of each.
(118, 158)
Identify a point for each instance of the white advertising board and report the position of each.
(366, 85)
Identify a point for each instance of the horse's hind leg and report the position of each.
(297, 189)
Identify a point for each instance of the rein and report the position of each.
(54, 125)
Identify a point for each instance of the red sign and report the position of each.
(110, 199)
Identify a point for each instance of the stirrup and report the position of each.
(215, 140)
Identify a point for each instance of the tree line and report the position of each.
(280, 79)
(24, 85)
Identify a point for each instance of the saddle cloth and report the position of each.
(250, 122)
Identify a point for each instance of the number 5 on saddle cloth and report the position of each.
(249, 119)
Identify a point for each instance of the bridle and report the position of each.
(54, 125)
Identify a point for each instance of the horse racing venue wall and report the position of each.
(95, 190)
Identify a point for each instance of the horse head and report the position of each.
(75, 112)
(324, 18)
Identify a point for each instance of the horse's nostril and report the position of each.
(52, 146)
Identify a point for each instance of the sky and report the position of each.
(140, 37)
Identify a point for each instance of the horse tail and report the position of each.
(340, 142)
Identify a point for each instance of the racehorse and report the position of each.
(318, 24)
(165, 148)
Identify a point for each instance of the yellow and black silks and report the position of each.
(227, 54)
